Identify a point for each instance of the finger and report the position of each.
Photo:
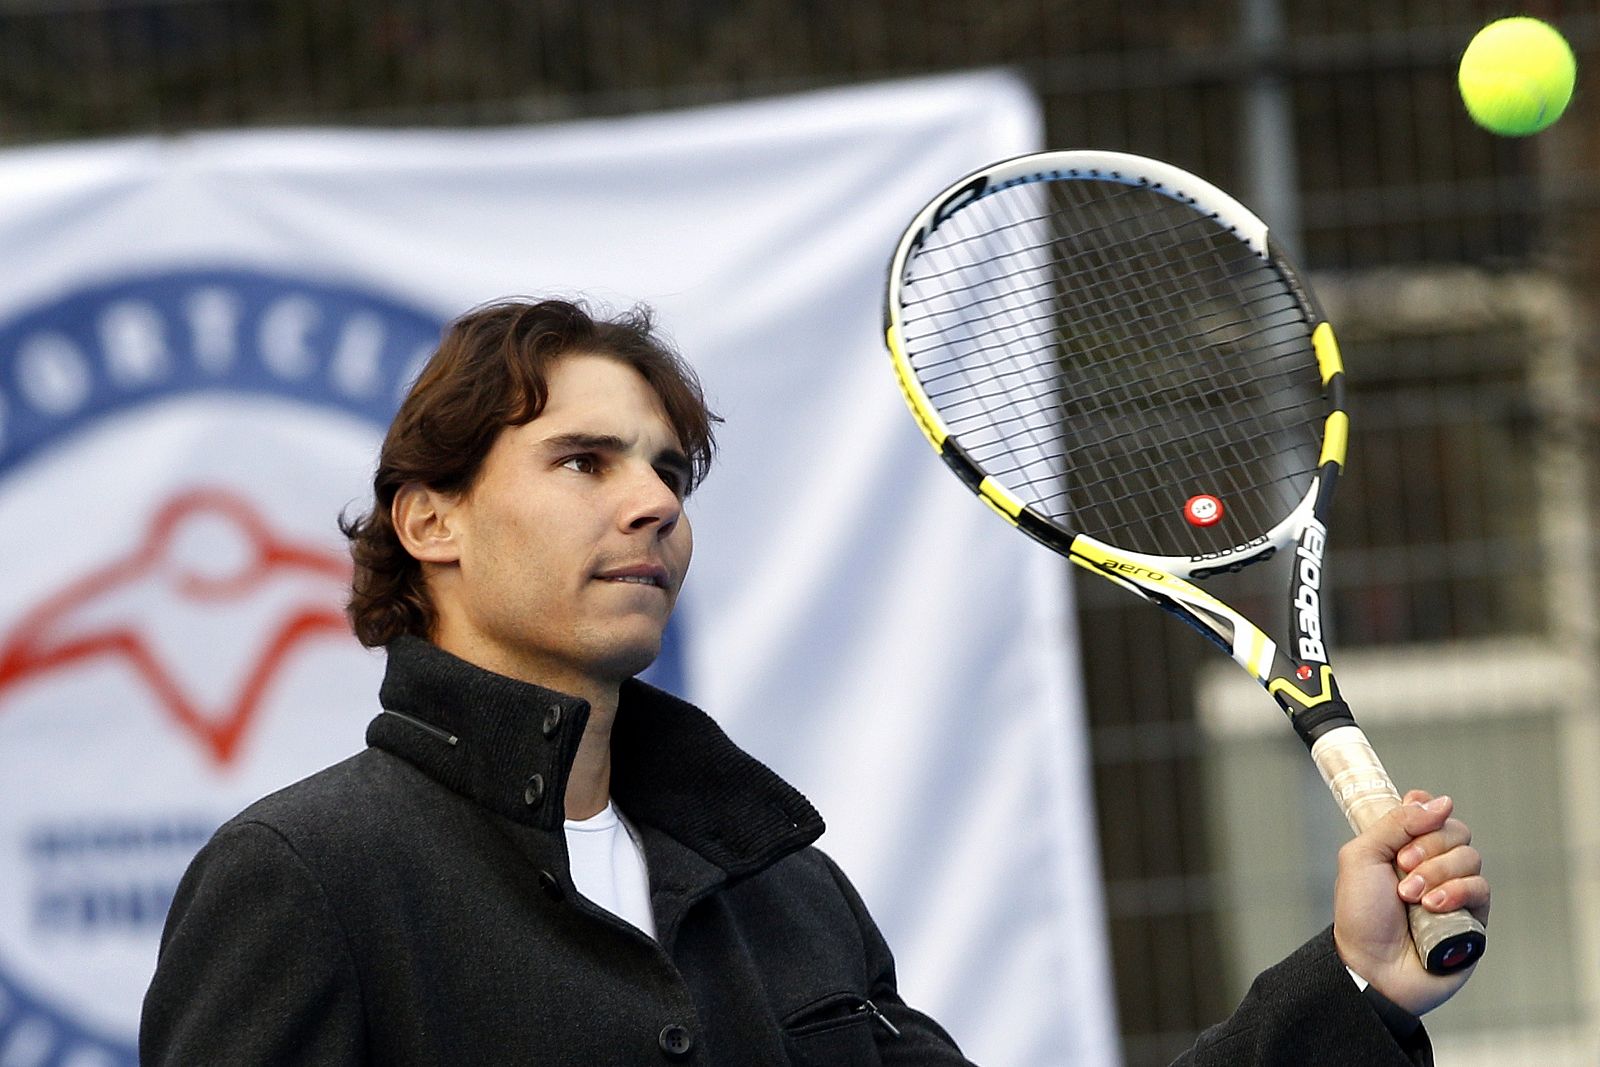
(1471, 893)
(1463, 862)
(1416, 796)
(1387, 836)
(1453, 834)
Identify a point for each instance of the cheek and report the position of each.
(684, 536)
(504, 553)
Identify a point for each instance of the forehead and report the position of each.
(604, 395)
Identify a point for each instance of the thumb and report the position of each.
(1384, 838)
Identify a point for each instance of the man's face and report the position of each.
(572, 541)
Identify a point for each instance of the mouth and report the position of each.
(639, 574)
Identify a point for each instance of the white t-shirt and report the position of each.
(608, 867)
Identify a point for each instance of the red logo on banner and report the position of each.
(73, 628)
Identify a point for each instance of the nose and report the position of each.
(651, 503)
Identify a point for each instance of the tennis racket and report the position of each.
(1112, 355)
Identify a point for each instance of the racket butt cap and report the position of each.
(1457, 952)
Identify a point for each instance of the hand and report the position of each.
(1441, 870)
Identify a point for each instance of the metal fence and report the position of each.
(1461, 268)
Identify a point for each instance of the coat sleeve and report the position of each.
(921, 1041)
(254, 968)
(1307, 1011)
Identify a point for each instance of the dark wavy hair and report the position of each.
(490, 373)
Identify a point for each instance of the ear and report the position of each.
(425, 521)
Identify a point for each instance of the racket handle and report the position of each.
(1445, 942)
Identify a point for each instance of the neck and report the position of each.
(589, 781)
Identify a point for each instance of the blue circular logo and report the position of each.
(91, 355)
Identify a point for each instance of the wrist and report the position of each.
(1397, 1020)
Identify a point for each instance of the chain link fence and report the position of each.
(1461, 271)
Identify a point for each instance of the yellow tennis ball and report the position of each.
(1516, 76)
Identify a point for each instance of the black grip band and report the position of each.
(1311, 723)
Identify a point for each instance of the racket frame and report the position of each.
(1303, 682)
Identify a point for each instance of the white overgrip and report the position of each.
(1355, 776)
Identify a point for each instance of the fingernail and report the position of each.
(1437, 804)
(1435, 898)
(1410, 856)
(1411, 888)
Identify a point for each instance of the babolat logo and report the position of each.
(1252, 543)
(1307, 593)
(174, 450)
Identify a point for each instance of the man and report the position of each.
(541, 860)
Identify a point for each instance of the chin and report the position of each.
(629, 657)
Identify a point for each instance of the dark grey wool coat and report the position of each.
(413, 905)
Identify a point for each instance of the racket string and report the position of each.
(1133, 344)
(1019, 327)
(1024, 370)
(984, 297)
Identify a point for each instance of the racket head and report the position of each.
(1106, 347)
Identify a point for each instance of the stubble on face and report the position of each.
(573, 541)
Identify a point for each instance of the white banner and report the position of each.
(201, 339)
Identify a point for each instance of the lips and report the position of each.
(636, 574)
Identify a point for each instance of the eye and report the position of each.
(674, 481)
(583, 463)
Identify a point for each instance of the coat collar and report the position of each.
(509, 746)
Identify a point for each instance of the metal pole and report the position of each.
(1271, 176)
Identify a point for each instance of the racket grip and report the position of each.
(1445, 942)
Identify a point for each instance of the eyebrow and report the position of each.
(670, 458)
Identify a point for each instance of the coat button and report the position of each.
(676, 1041)
(534, 791)
(551, 885)
(552, 720)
